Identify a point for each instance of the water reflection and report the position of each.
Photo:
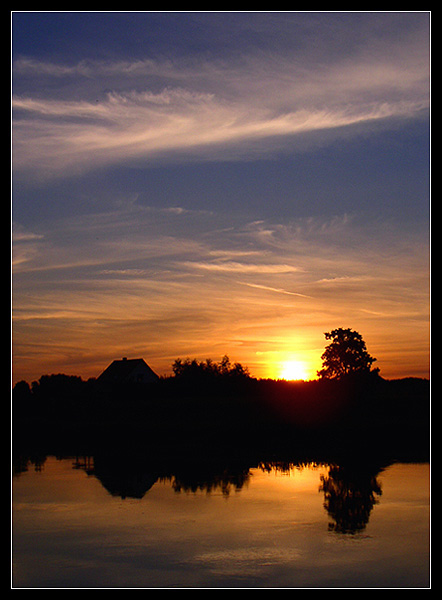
(350, 490)
(224, 481)
(120, 475)
(349, 496)
(133, 478)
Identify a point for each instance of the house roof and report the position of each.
(121, 370)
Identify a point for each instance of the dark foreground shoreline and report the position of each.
(365, 420)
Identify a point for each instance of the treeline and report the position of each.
(222, 398)
(205, 400)
(208, 370)
(198, 395)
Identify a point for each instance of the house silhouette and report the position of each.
(134, 370)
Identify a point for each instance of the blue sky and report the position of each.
(195, 184)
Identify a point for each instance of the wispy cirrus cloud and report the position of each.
(238, 267)
(175, 285)
(54, 135)
(273, 289)
(158, 108)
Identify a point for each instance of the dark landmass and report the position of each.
(208, 433)
(230, 415)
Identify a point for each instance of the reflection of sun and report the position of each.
(293, 370)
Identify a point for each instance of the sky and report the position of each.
(195, 184)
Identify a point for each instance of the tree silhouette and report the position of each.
(346, 354)
(208, 369)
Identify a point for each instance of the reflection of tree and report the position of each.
(286, 467)
(130, 476)
(349, 497)
(20, 464)
(349, 492)
(223, 480)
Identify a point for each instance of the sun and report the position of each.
(293, 370)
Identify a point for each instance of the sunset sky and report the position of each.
(195, 184)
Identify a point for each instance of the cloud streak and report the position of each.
(204, 109)
(253, 287)
(237, 267)
(277, 290)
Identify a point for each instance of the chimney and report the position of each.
(124, 357)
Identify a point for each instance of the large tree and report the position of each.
(346, 354)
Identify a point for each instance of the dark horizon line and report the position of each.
(248, 377)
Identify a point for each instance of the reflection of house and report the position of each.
(134, 370)
(119, 475)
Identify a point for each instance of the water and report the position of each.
(94, 523)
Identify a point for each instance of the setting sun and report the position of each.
(293, 370)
